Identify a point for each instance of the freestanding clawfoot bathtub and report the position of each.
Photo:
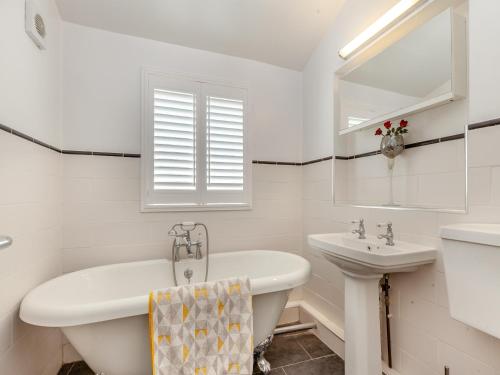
(103, 310)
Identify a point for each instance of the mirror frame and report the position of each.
(459, 66)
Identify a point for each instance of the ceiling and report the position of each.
(278, 32)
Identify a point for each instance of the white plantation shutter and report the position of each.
(174, 137)
(194, 145)
(225, 162)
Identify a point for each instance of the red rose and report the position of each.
(378, 131)
(387, 124)
(403, 124)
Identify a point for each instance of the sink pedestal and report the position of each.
(363, 350)
(364, 262)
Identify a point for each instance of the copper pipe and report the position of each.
(385, 289)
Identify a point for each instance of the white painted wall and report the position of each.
(102, 91)
(30, 84)
(484, 55)
(30, 175)
(425, 338)
(318, 75)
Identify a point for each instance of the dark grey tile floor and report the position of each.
(302, 354)
(290, 354)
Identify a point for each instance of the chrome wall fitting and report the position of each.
(259, 352)
(188, 274)
(5, 242)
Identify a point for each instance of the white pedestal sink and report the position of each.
(363, 263)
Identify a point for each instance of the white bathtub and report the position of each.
(103, 310)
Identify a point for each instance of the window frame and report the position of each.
(155, 201)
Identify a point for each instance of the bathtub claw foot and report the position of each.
(263, 364)
(260, 350)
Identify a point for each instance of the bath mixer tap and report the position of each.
(183, 240)
(182, 234)
(389, 236)
(196, 254)
(361, 229)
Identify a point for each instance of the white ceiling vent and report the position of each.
(34, 23)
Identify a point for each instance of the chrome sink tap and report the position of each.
(361, 229)
(389, 236)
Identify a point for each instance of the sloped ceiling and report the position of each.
(278, 32)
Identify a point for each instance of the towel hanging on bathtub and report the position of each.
(202, 329)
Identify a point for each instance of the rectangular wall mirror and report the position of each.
(420, 77)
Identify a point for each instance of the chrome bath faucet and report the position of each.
(182, 234)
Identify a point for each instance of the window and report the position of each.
(194, 153)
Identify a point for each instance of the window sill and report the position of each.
(145, 208)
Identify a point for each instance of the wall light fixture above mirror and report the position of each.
(393, 15)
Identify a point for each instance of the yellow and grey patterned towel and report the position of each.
(202, 329)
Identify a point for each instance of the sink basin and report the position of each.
(363, 263)
(371, 255)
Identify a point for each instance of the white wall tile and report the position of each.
(480, 185)
(103, 223)
(444, 190)
(460, 363)
(6, 333)
(32, 216)
(495, 186)
(33, 353)
(410, 339)
(413, 366)
(483, 147)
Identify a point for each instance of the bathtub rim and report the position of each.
(36, 312)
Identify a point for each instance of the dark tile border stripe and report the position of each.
(452, 137)
(478, 125)
(24, 136)
(484, 124)
(366, 154)
(67, 152)
(98, 153)
(5, 128)
(72, 152)
(408, 146)
(291, 163)
(422, 143)
(274, 162)
(317, 160)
